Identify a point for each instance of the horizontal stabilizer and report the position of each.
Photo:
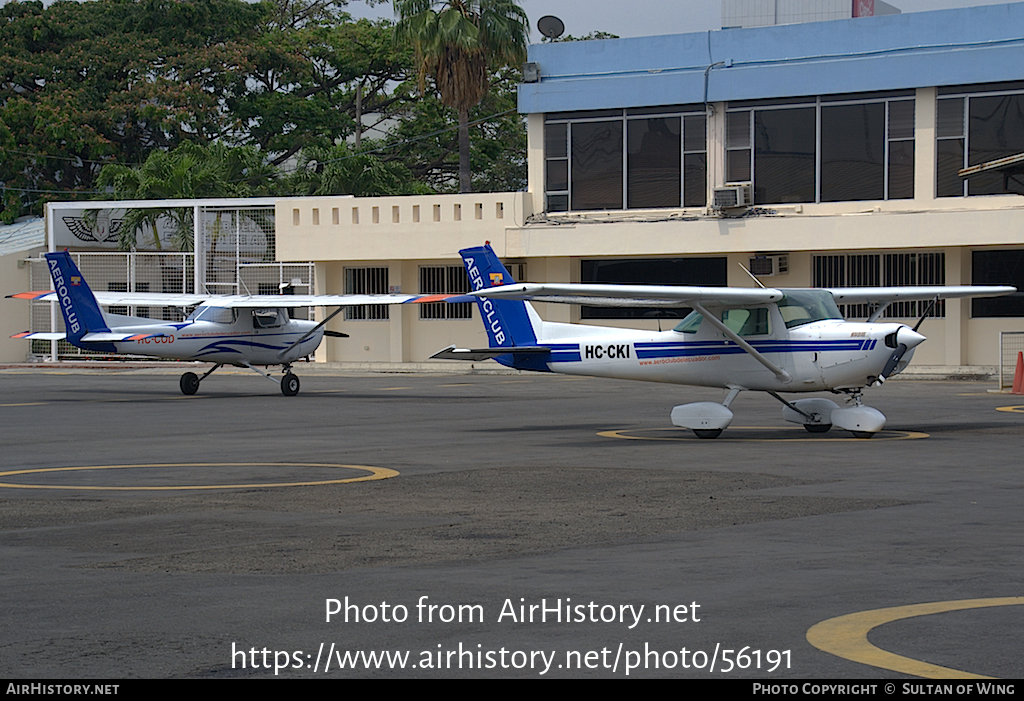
(453, 353)
(41, 336)
(112, 336)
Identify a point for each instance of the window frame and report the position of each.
(739, 140)
(559, 154)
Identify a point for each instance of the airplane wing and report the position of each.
(861, 295)
(631, 295)
(679, 296)
(157, 299)
(153, 299)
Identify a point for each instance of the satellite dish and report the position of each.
(550, 26)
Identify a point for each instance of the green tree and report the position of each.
(84, 84)
(459, 46)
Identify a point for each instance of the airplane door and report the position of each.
(762, 328)
(268, 326)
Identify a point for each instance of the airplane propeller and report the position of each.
(910, 339)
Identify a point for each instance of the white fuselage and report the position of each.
(822, 355)
(236, 338)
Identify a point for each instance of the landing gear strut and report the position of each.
(289, 383)
(189, 382)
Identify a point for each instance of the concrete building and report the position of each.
(843, 139)
(767, 13)
(822, 154)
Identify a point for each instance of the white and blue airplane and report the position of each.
(767, 340)
(240, 330)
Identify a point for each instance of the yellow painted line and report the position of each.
(27, 404)
(686, 435)
(376, 473)
(390, 389)
(847, 636)
(1011, 409)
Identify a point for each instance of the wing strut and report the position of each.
(312, 331)
(735, 338)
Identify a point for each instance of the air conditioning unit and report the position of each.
(733, 195)
(769, 266)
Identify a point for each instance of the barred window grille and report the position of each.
(886, 270)
(444, 279)
(366, 281)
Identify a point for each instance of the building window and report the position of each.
(827, 149)
(642, 158)
(440, 280)
(998, 268)
(976, 125)
(710, 272)
(885, 270)
(366, 281)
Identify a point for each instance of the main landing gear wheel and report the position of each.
(817, 428)
(862, 434)
(289, 385)
(708, 432)
(189, 383)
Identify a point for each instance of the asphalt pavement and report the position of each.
(422, 526)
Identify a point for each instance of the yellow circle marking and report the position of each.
(847, 636)
(1011, 409)
(376, 473)
(685, 436)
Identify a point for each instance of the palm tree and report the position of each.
(190, 171)
(460, 44)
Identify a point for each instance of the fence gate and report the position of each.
(1011, 343)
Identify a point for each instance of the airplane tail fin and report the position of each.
(509, 323)
(82, 314)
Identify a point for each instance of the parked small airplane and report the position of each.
(241, 330)
(768, 340)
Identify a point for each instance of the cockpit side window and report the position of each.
(218, 315)
(268, 318)
(747, 322)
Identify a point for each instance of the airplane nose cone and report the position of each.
(910, 338)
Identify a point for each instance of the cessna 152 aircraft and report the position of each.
(242, 330)
(768, 340)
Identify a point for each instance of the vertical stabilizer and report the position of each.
(509, 323)
(77, 303)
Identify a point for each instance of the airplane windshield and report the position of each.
(800, 307)
(690, 323)
(218, 315)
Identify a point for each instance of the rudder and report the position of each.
(77, 303)
(508, 322)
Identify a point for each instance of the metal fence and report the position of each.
(114, 272)
(1011, 344)
(278, 278)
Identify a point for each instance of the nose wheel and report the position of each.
(289, 385)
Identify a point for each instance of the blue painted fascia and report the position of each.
(892, 52)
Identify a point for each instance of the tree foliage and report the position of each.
(124, 85)
(460, 45)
